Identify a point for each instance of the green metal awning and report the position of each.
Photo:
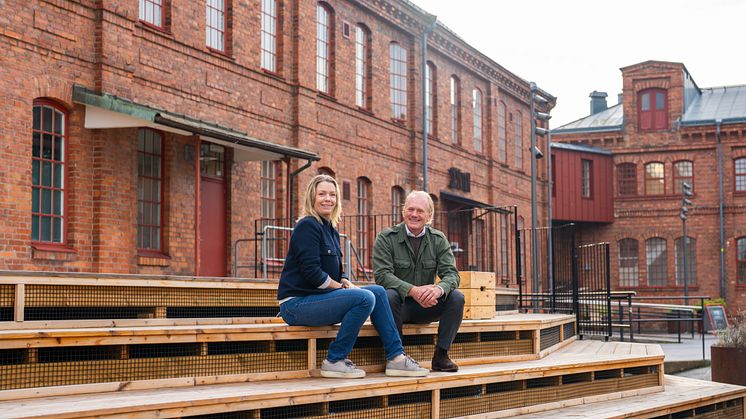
(105, 111)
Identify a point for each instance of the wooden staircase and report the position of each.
(59, 359)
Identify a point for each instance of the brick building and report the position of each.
(665, 130)
(149, 136)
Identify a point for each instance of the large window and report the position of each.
(502, 133)
(268, 193)
(151, 11)
(586, 176)
(216, 25)
(362, 67)
(629, 274)
(269, 35)
(626, 177)
(741, 260)
(397, 202)
(655, 183)
(518, 124)
(324, 47)
(455, 110)
(398, 72)
(652, 108)
(149, 189)
(682, 172)
(691, 261)
(477, 110)
(431, 98)
(48, 173)
(740, 170)
(364, 233)
(657, 261)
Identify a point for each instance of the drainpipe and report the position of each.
(425, 116)
(550, 233)
(291, 177)
(720, 209)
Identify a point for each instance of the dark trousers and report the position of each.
(450, 312)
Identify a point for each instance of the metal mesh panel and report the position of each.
(368, 350)
(7, 297)
(405, 406)
(729, 409)
(95, 364)
(568, 330)
(549, 337)
(67, 302)
(506, 302)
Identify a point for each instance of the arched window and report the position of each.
(324, 48)
(518, 123)
(683, 171)
(626, 178)
(629, 274)
(398, 73)
(397, 201)
(652, 109)
(741, 260)
(691, 261)
(363, 67)
(477, 111)
(364, 233)
(655, 181)
(48, 172)
(502, 133)
(269, 35)
(455, 110)
(431, 98)
(740, 170)
(657, 261)
(149, 189)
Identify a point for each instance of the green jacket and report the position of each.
(396, 266)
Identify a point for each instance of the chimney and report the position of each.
(598, 102)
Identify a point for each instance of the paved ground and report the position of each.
(690, 350)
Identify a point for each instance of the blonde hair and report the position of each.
(428, 200)
(310, 199)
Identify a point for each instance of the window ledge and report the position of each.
(153, 259)
(154, 28)
(365, 110)
(273, 74)
(50, 251)
(222, 54)
(53, 247)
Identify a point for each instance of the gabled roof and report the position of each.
(612, 119)
(727, 104)
(581, 148)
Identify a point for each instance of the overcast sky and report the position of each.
(572, 47)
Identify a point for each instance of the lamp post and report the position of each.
(536, 154)
(686, 192)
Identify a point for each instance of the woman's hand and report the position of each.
(346, 283)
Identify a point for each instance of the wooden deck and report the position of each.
(681, 394)
(576, 358)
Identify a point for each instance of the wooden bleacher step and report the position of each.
(568, 374)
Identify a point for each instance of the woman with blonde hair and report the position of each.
(314, 290)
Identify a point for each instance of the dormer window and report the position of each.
(652, 109)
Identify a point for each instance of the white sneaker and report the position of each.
(341, 369)
(405, 366)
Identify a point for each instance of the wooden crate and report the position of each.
(479, 294)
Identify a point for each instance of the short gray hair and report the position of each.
(428, 200)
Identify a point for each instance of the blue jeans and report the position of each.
(350, 307)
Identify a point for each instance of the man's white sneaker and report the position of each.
(405, 366)
(341, 369)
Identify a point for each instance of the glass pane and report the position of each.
(58, 149)
(58, 119)
(146, 238)
(47, 119)
(36, 147)
(139, 237)
(156, 143)
(58, 176)
(156, 191)
(660, 100)
(156, 214)
(46, 174)
(148, 165)
(146, 212)
(139, 212)
(140, 140)
(57, 210)
(645, 105)
(46, 229)
(46, 201)
(37, 118)
(35, 172)
(156, 239)
(46, 150)
(35, 192)
(156, 167)
(57, 231)
(35, 228)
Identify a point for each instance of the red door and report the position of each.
(212, 225)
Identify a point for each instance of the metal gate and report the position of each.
(592, 298)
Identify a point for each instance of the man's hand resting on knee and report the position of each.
(426, 295)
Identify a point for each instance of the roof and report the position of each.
(581, 148)
(727, 104)
(612, 119)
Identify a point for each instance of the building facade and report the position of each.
(152, 137)
(666, 131)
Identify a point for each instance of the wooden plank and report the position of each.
(473, 279)
(19, 304)
(435, 403)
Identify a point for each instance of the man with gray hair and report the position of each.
(406, 260)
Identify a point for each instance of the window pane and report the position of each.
(46, 201)
(46, 229)
(46, 150)
(46, 174)
(35, 192)
(645, 105)
(47, 119)
(35, 228)
(58, 122)
(35, 172)
(660, 100)
(58, 176)
(36, 146)
(657, 264)
(37, 118)
(57, 230)
(57, 203)
(58, 150)
(628, 263)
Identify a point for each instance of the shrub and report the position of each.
(735, 335)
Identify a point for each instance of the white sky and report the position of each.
(572, 47)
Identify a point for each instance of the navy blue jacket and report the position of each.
(314, 255)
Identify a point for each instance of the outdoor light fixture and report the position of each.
(686, 192)
(536, 99)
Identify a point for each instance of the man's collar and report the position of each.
(410, 234)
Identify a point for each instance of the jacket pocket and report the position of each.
(428, 270)
(325, 250)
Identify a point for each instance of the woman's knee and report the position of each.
(366, 298)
